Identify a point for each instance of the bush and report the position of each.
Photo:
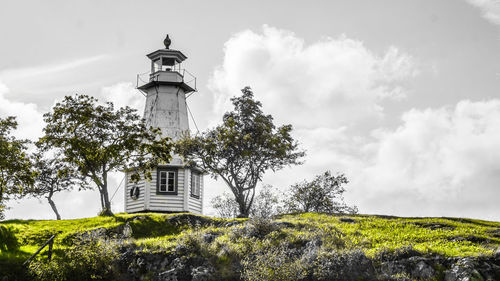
(225, 205)
(324, 194)
(265, 205)
(2, 209)
(276, 264)
(86, 260)
(8, 240)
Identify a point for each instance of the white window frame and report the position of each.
(167, 181)
(195, 184)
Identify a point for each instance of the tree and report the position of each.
(266, 204)
(225, 205)
(53, 175)
(324, 194)
(96, 139)
(15, 164)
(242, 148)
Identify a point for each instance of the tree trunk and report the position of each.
(107, 203)
(244, 213)
(106, 207)
(53, 205)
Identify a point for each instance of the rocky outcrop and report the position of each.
(178, 266)
(440, 268)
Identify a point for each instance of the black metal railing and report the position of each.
(49, 242)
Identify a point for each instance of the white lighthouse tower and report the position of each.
(174, 186)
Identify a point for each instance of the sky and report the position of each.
(403, 97)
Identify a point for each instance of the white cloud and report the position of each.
(441, 161)
(29, 119)
(48, 69)
(331, 82)
(490, 9)
(124, 94)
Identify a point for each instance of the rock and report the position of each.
(231, 223)
(347, 220)
(208, 237)
(310, 251)
(463, 270)
(434, 226)
(350, 266)
(181, 249)
(473, 239)
(423, 270)
(281, 224)
(497, 254)
(127, 231)
(94, 234)
(391, 268)
(169, 275)
(190, 219)
(202, 273)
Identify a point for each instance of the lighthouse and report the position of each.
(174, 187)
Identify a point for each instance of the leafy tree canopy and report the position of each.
(15, 164)
(324, 194)
(96, 139)
(242, 148)
(53, 175)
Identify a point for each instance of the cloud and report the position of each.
(331, 82)
(29, 119)
(490, 9)
(442, 161)
(48, 69)
(124, 94)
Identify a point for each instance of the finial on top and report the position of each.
(167, 42)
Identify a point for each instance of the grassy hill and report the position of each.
(239, 249)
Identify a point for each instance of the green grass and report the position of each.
(444, 236)
(372, 234)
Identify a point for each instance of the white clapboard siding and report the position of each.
(132, 205)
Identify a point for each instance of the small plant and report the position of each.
(263, 226)
(8, 240)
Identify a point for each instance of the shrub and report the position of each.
(276, 264)
(2, 209)
(225, 205)
(8, 240)
(265, 204)
(324, 194)
(86, 260)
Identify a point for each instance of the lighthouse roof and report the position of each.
(178, 56)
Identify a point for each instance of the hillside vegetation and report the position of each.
(292, 247)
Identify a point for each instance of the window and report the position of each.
(195, 184)
(166, 181)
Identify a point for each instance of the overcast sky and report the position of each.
(401, 96)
